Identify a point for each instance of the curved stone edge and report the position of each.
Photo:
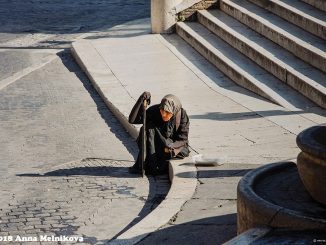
(254, 211)
(113, 93)
(306, 141)
(312, 172)
(312, 161)
(182, 189)
(249, 236)
(105, 83)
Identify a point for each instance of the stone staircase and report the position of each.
(321, 4)
(275, 48)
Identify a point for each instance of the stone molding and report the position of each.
(190, 12)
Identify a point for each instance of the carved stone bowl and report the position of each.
(312, 161)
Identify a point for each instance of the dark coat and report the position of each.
(175, 138)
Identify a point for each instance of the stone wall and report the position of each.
(189, 14)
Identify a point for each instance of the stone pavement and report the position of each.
(64, 159)
(45, 24)
(226, 121)
(92, 199)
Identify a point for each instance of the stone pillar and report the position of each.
(162, 15)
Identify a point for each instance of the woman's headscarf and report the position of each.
(171, 103)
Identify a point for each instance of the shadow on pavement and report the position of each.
(154, 199)
(206, 231)
(68, 17)
(215, 173)
(222, 173)
(118, 172)
(122, 33)
(223, 81)
(114, 126)
(219, 116)
(206, 67)
(158, 186)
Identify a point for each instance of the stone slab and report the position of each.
(204, 92)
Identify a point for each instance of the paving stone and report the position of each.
(47, 203)
(28, 227)
(27, 216)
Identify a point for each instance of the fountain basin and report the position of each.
(274, 195)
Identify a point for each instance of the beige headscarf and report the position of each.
(171, 103)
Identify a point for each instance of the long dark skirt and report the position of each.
(157, 161)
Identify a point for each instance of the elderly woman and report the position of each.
(167, 128)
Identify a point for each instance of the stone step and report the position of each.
(239, 68)
(280, 236)
(304, 45)
(320, 4)
(298, 13)
(249, 236)
(306, 79)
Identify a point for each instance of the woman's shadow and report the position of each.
(101, 171)
(153, 199)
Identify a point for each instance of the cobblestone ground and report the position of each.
(84, 199)
(63, 161)
(63, 155)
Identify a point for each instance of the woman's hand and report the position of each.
(146, 96)
(167, 150)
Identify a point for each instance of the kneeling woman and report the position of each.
(167, 128)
